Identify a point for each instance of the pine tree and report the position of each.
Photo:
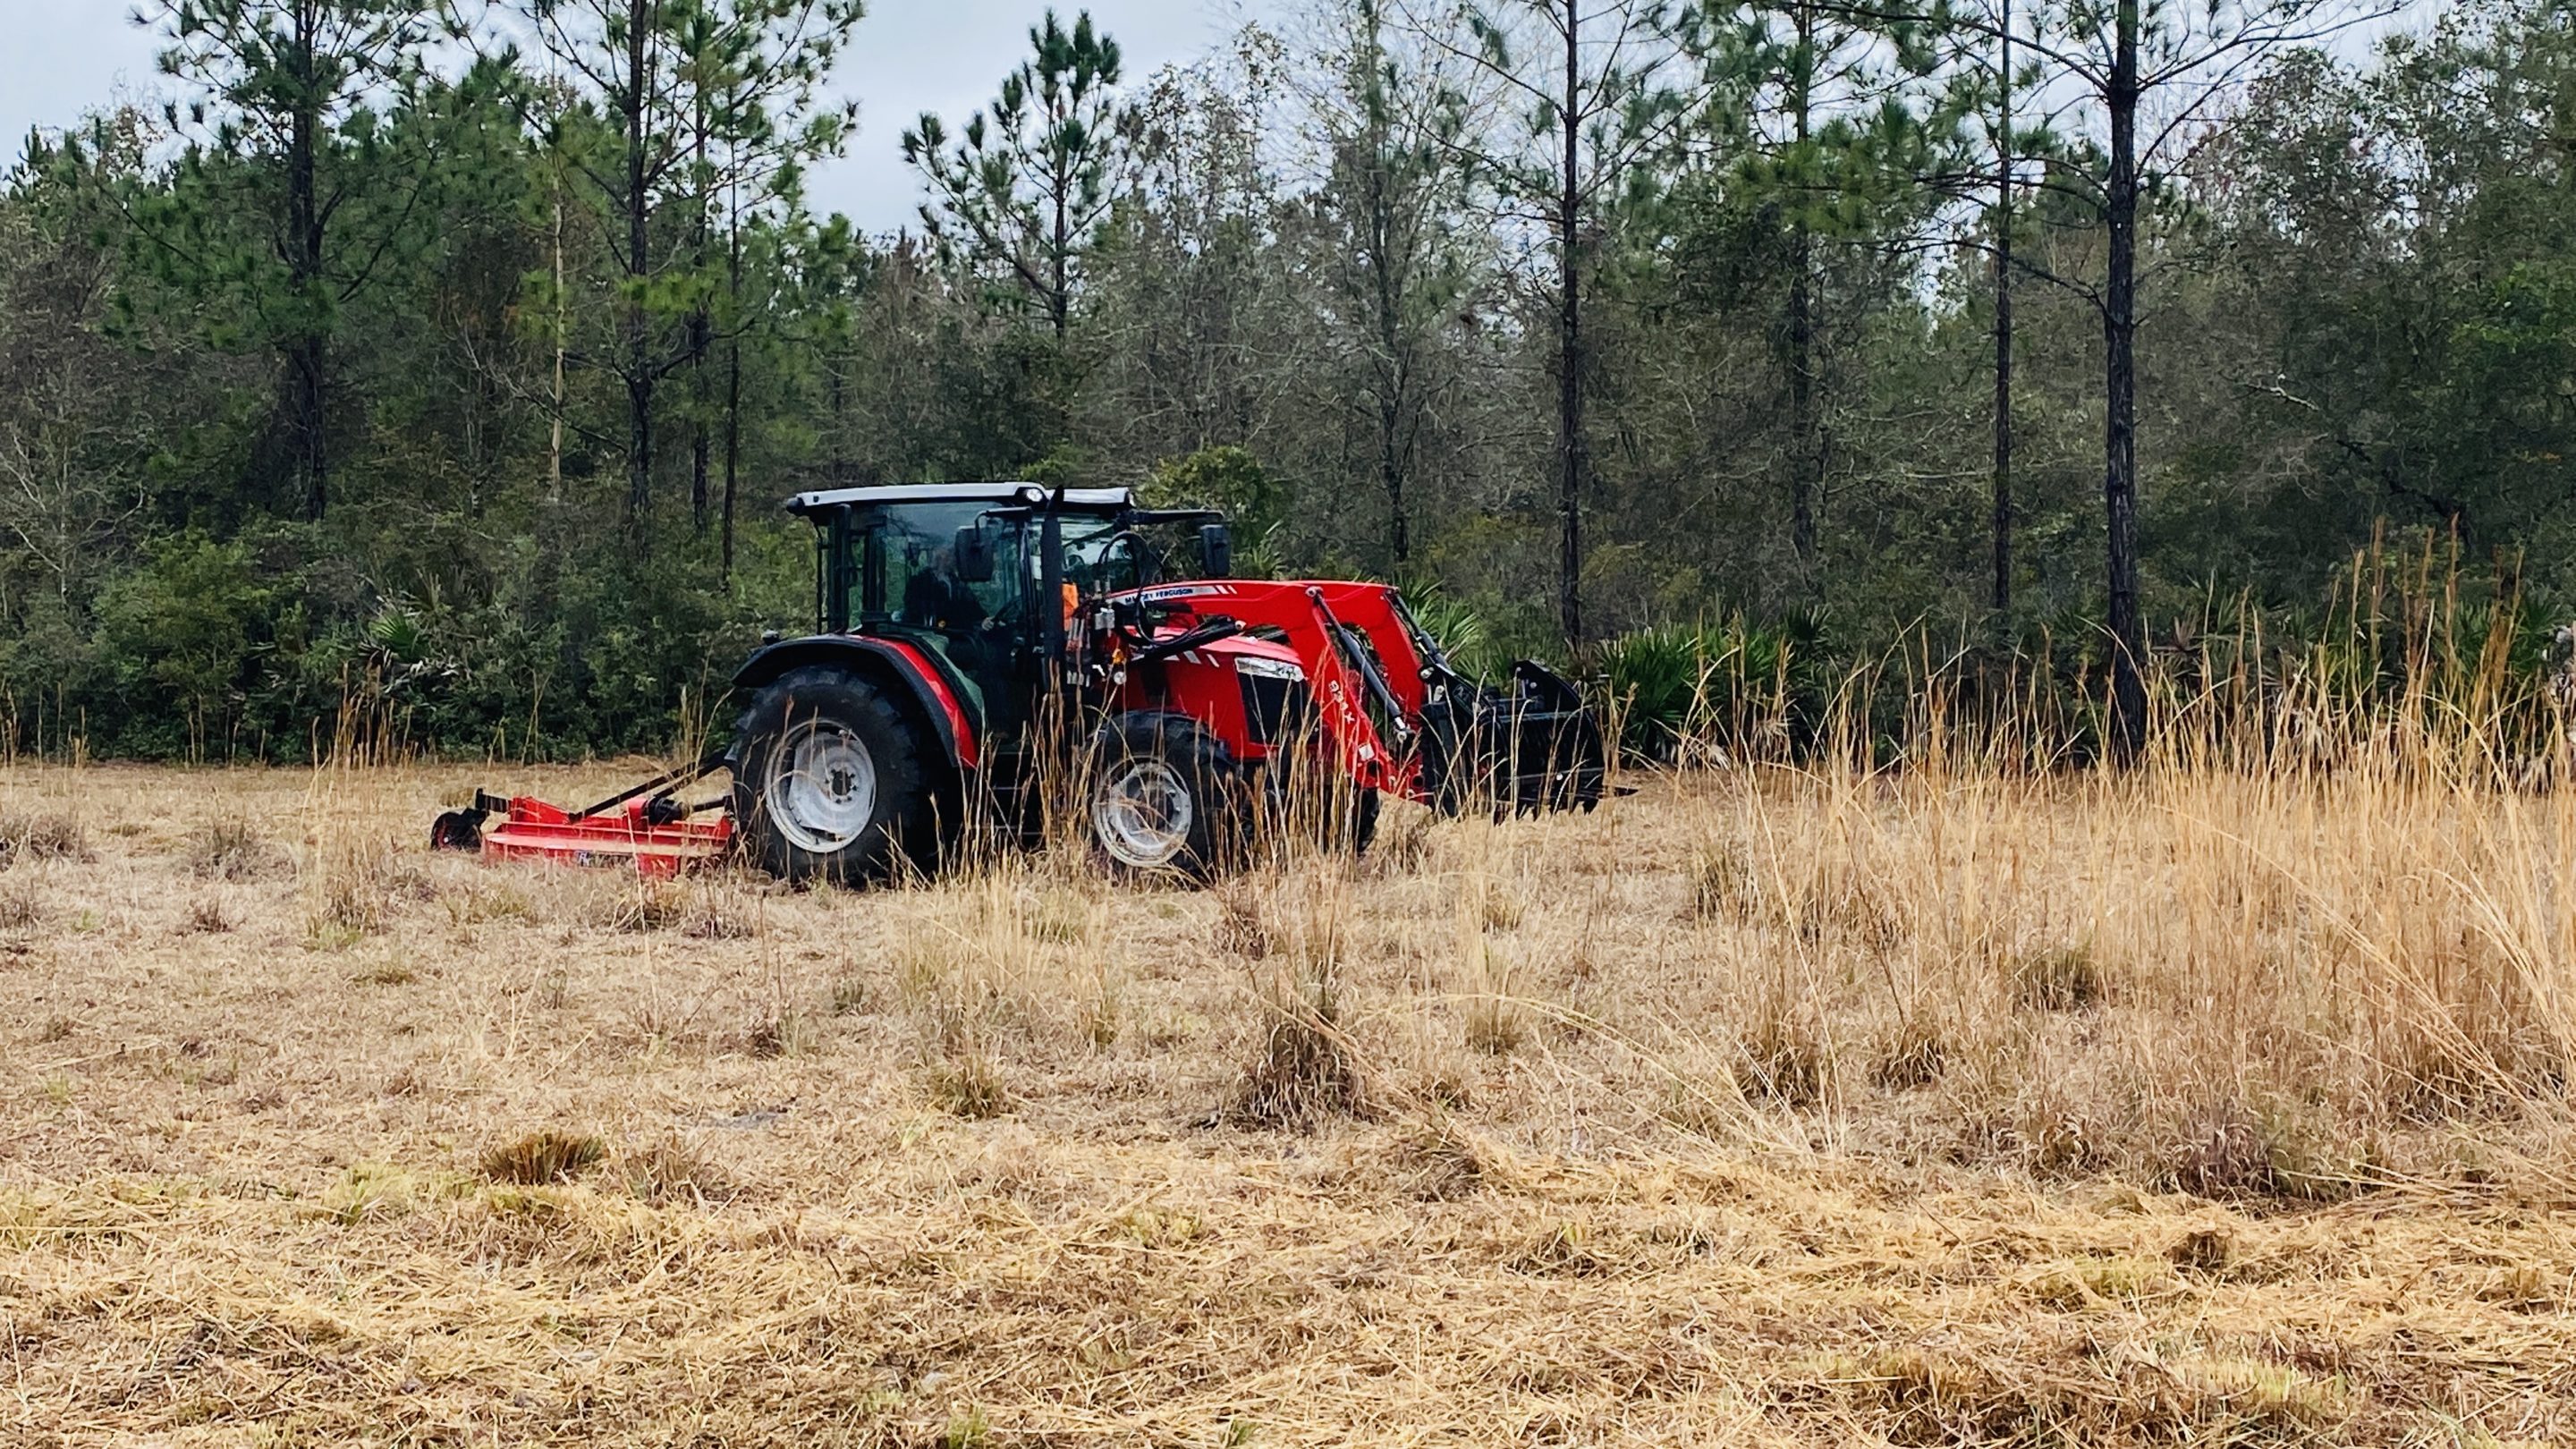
(1022, 193)
(1596, 101)
(288, 131)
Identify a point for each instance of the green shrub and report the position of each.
(1740, 686)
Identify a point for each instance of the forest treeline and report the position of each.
(457, 360)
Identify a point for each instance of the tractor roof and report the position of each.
(1027, 493)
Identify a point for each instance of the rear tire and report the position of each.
(1161, 797)
(828, 780)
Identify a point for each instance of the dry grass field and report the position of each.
(2188, 1108)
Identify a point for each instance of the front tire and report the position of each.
(1311, 798)
(828, 780)
(1161, 797)
(1349, 818)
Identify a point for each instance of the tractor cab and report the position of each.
(989, 577)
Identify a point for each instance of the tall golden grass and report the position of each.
(1936, 1093)
(2313, 932)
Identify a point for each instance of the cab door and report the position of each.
(1002, 655)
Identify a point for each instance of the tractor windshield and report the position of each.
(902, 566)
(1100, 557)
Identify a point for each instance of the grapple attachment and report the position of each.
(1534, 746)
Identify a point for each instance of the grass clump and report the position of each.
(1404, 842)
(393, 971)
(485, 900)
(230, 849)
(777, 1032)
(670, 1172)
(21, 908)
(1304, 1069)
(350, 888)
(969, 1430)
(2066, 978)
(1058, 917)
(718, 915)
(643, 905)
(1438, 1163)
(1785, 1060)
(1913, 1055)
(42, 837)
(1241, 928)
(2230, 1150)
(852, 995)
(1722, 885)
(549, 1154)
(966, 1084)
(1103, 1016)
(1497, 1023)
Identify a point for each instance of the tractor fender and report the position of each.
(882, 661)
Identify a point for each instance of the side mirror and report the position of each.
(1216, 551)
(973, 554)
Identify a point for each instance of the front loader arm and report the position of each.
(1346, 684)
(1402, 718)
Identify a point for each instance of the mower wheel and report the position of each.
(828, 779)
(457, 830)
(1161, 797)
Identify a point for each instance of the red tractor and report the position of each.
(985, 650)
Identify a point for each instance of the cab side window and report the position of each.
(907, 572)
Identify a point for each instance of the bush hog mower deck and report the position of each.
(985, 650)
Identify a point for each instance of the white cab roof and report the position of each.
(1028, 493)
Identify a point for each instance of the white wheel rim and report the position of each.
(1142, 813)
(822, 790)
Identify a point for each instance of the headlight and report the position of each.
(1262, 668)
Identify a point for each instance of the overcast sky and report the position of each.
(63, 58)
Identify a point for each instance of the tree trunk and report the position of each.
(639, 339)
(307, 349)
(1570, 447)
(732, 464)
(2003, 511)
(1060, 262)
(562, 336)
(2128, 727)
(1391, 475)
(2003, 515)
(1803, 450)
(701, 342)
(1802, 404)
(836, 367)
(306, 362)
(1394, 362)
(1393, 378)
(733, 395)
(701, 331)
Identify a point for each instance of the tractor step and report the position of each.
(646, 827)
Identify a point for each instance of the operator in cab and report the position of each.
(937, 598)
